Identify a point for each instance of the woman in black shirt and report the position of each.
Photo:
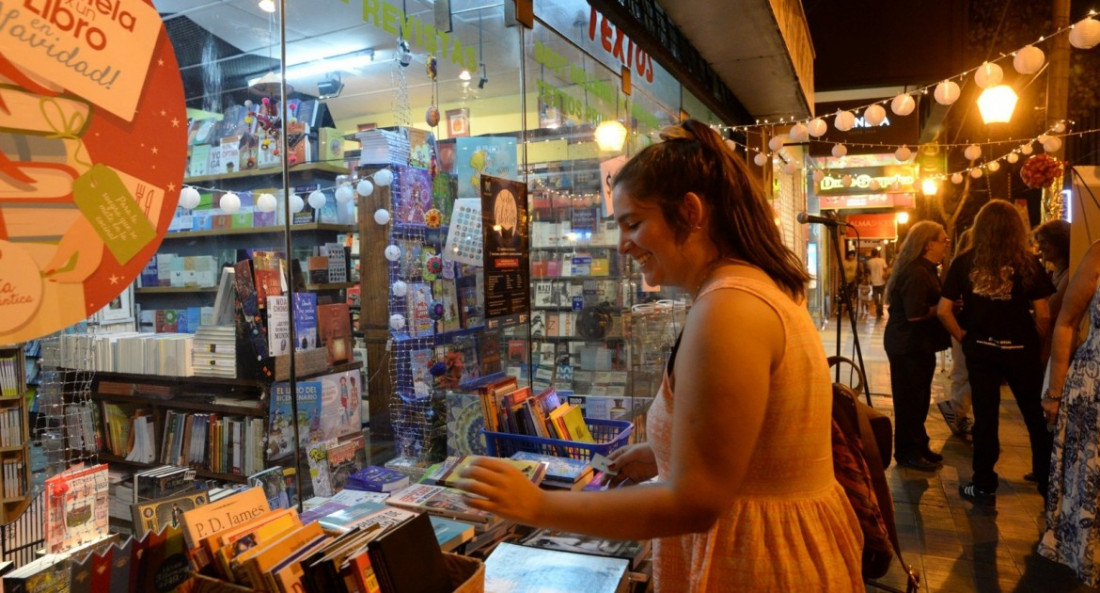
(1000, 283)
(912, 338)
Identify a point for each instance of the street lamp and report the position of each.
(902, 217)
(929, 187)
(997, 104)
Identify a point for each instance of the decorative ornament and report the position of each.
(316, 199)
(297, 204)
(976, 172)
(432, 116)
(397, 322)
(433, 218)
(1029, 60)
(903, 104)
(730, 144)
(903, 154)
(344, 194)
(947, 92)
(431, 66)
(777, 142)
(972, 152)
(818, 175)
(874, 115)
(844, 121)
(436, 310)
(433, 266)
(382, 216)
(988, 75)
(189, 197)
(1041, 170)
(230, 203)
(383, 177)
(1012, 157)
(400, 288)
(393, 252)
(799, 132)
(817, 127)
(1085, 34)
(266, 202)
(364, 188)
(993, 166)
(1059, 128)
(403, 54)
(839, 150)
(760, 159)
(1026, 149)
(1052, 144)
(956, 178)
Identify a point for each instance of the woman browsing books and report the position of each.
(740, 446)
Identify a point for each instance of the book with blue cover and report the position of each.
(305, 320)
(374, 478)
(560, 469)
(280, 431)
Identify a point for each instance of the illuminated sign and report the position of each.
(871, 226)
(865, 180)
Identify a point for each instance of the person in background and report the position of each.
(876, 270)
(850, 266)
(1052, 241)
(1004, 293)
(959, 390)
(1071, 402)
(912, 338)
(744, 497)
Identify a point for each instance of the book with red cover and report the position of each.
(334, 328)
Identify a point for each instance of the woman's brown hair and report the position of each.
(694, 158)
(1001, 252)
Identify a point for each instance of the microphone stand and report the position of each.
(834, 230)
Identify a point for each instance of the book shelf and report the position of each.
(15, 434)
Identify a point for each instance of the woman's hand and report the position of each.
(1050, 410)
(635, 463)
(498, 487)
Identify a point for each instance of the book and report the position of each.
(633, 551)
(317, 458)
(155, 515)
(345, 459)
(274, 486)
(205, 520)
(364, 514)
(229, 546)
(280, 431)
(288, 574)
(253, 564)
(532, 470)
(419, 298)
(334, 326)
(407, 558)
(305, 320)
(76, 507)
(509, 568)
(559, 469)
(440, 500)
(375, 478)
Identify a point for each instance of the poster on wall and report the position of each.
(93, 146)
(483, 155)
(506, 251)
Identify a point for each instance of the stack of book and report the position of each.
(380, 146)
(215, 351)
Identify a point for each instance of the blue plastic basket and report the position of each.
(609, 435)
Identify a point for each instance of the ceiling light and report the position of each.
(267, 5)
(348, 61)
(464, 75)
(997, 104)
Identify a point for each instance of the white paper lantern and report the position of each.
(874, 185)
(956, 178)
(1029, 60)
(1026, 149)
(344, 194)
(839, 150)
(189, 197)
(818, 175)
(266, 203)
(1052, 144)
(730, 144)
(903, 154)
(393, 252)
(760, 159)
(817, 127)
(777, 142)
(364, 188)
(976, 172)
(230, 203)
(903, 104)
(874, 115)
(846, 181)
(791, 168)
(383, 177)
(1085, 34)
(947, 92)
(1042, 138)
(799, 132)
(297, 204)
(1059, 128)
(844, 121)
(382, 216)
(316, 199)
(988, 75)
(993, 166)
(400, 289)
(1012, 157)
(397, 322)
(972, 152)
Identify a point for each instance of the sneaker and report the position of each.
(919, 463)
(962, 427)
(932, 456)
(977, 496)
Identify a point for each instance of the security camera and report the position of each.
(484, 77)
(330, 88)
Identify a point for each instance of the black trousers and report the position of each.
(1022, 370)
(911, 383)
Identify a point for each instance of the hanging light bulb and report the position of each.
(903, 104)
(760, 159)
(817, 127)
(610, 135)
(839, 150)
(844, 121)
(997, 103)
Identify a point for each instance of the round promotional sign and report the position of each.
(93, 146)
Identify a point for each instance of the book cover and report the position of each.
(563, 469)
(341, 404)
(278, 325)
(532, 470)
(364, 515)
(334, 326)
(489, 354)
(305, 320)
(375, 478)
(465, 420)
(413, 196)
(166, 512)
(632, 551)
(229, 547)
(419, 322)
(250, 322)
(161, 560)
(420, 363)
(408, 558)
(345, 459)
(446, 292)
(439, 500)
(254, 563)
(280, 435)
(421, 147)
(317, 457)
(210, 518)
(466, 347)
(471, 300)
(274, 486)
(288, 574)
(510, 568)
(76, 507)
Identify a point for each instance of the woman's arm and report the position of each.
(721, 394)
(945, 310)
(1074, 305)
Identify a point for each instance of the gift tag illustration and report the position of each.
(113, 212)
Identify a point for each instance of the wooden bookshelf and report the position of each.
(262, 230)
(14, 498)
(304, 170)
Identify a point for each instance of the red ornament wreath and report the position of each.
(1041, 170)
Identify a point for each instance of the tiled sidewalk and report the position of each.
(955, 546)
